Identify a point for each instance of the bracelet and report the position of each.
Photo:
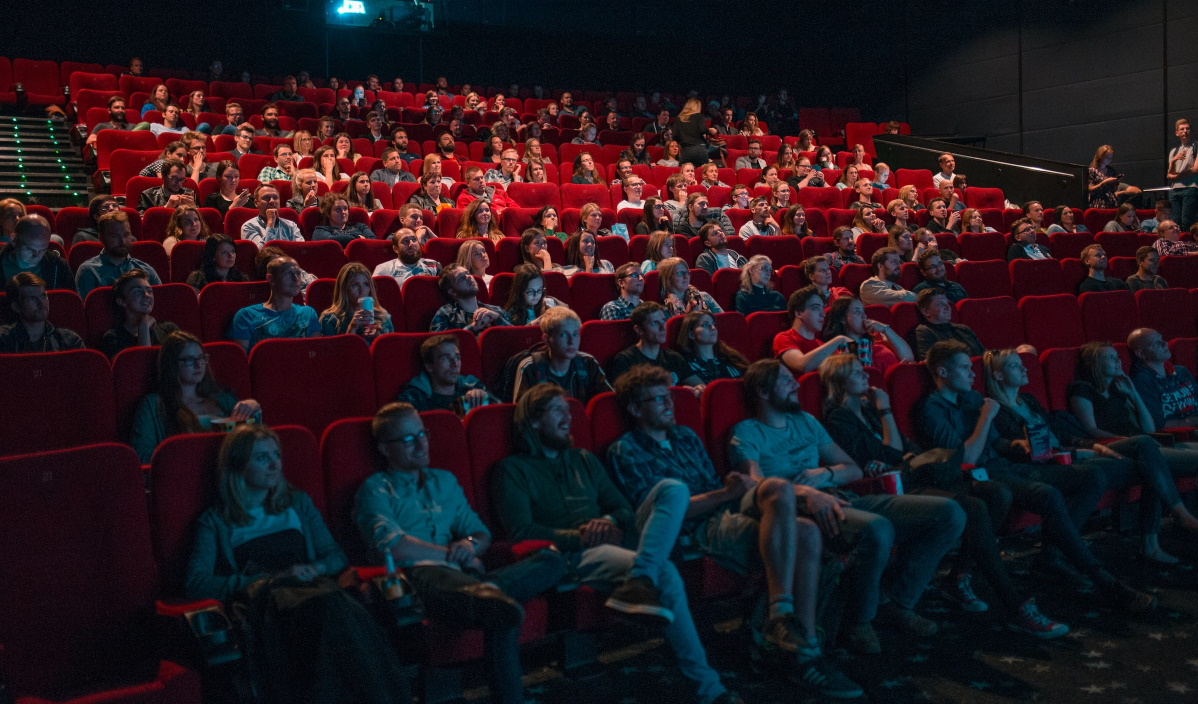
(883, 412)
(831, 475)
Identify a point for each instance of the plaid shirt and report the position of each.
(272, 173)
(451, 317)
(638, 463)
(619, 309)
(497, 176)
(1169, 248)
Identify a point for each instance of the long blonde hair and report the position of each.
(834, 373)
(235, 454)
(343, 308)
(691, 107)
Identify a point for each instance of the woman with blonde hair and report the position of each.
(910, 195)
(1103, 182)
(348, 314)
(670, 154)
(689, 130)
(477, 221)
(301, 144)
(265, 546)
(867, 221)
(677, 293)
(533, 153)
(186, 223)
(536, 173)
(659, 248)
(473, 257)
(756, 291)
(711, 175)
(751, 127)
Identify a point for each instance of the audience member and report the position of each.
(657, 218)
(1023, 232)
(762, 222)
(327, 167)
(430, 197)
(117, 120)
(171, 194)
(464, 311)
(956, 416)
(756, 292)
(633, 187)
(800, 347)
(441, 385)
(96, 207)
(269, 225)
(937, 313)
(305, 190)
(609, 543)
(948, 167)
(1065, 220)
(475, 189)
(794, 222)
(1148, 262)
(1167, 389)
(393, 170)
(508, 171)
(244, 142)
(29, 250)
(349, 313)
(228, 178)
(942, 220)
(133, 324)
(859, 420)
(752, 160)
(264, 535)
(1169, 243)
(935, 276)
(408, 261)
(560, 362)
(677, 293)
(819, 273)
(630, 282)
(783, 441)
(876, 344)
(866, 221)
(270, 123)
(114, 260)
(548, 222)
(527, 302)
(582, 248)
(188, 398)
(864, 189)
(280, 316)
(335, 223)
(185, 224)
(846, 249)
(218, 262)
(883, 288)
(32, 331)
(716, 254)
(284, 167)
(473, 257)
(708, 357)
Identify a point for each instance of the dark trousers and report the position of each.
(521, 581)
(1063, 496)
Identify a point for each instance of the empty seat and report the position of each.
(976, 197)
(1036, 277)
(996, 321)
(1069, 244)
(535, 195)
(1058, 366)
(323, 259)
(64, 399)
(1051, 321)
(602, 339)
(589, 293)
(1109, 316)
(1168, 311)
(312, 382)
(979, 246)
(984, 279)
(763, 327)
(78, 580)
(907, 384)
(1180, 272)
(722, 406)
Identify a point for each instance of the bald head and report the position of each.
(31, 240)
(32, 227)
(1148, 346)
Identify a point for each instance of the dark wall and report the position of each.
(1054, 78)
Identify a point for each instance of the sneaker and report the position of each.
(782, 632)
(1127, 599)
(963, 595)
(638, 597)
(821, 675)
(1029, 620)
(861, 638)
(907, 620)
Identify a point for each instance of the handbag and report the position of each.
(938, 468)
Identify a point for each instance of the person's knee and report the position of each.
(808, 538)
(775, 492)
(951, 516)
(877, 536)
(671, 492)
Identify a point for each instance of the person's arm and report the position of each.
(876, 292)
(147, 430)
(513, 504)
(1083, 409)
(1146, 390)
(890, 432)
(611, 502)
(1143, 418)
(202, 580)
(840, 468)
(706, 262)
(799, 362)
(901, 349)
(976, 442)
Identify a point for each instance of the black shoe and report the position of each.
(487, 607)
(1129, 600)
(822, 676)
(638, 597)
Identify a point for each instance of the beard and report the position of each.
(786, 404)
(408, 259)
(117, 118)
(557, 442)
(271, 124)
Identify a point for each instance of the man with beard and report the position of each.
(171, 194)
(32, 331)
(270, 123)
(408, 261)
(234, 117)
(116, 120)
(846, 248)
(445, 147)
(101, 270)
(464, 311)
(882, 288)
(280, 316)
(399, 141)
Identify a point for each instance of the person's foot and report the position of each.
(783, 632)
(1029, 620)
(1159, 556)
(488, 606)
(638, 597)
(821, 675)
(1127, 599)
(1052, 568)
(907, 620)
(861, 638)
(961, 593)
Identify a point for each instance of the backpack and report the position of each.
(506, 386)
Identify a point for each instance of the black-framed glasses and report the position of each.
(409, 438)
(199, 361)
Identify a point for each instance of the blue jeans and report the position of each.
(1185, 206)
(501, 646)
(923, 528)
(1147, 465)
(658, 521)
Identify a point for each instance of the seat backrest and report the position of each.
(1036, 277)
(1052, 321)
(65, 397)
(76, 535)
(1180, 271)
(574, 195)
(907, 384)
(1058, 366)
(608, 421)
(996, 321)
(396, 359)
(1169, 311)
(1064, 245)
(312, 382)
(602, 339)
(979, 246)
(985, 279)
(534, 195)
(1109, 316)
(763, 328)
(324, 258)
(499, 344)
(221, 300)
(723, 405)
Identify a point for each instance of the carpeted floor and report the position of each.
(1105, 659)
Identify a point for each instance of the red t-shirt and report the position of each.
(792, 340)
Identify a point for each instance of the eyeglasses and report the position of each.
(200, 361)
(633, 275)
(408, 439)
(658, 400)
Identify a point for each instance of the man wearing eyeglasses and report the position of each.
(1023, 231)
(244, 142)
(753, 159)
(508, 171)
(631, 284)
(623, 171)
(30, 251)
(634, 186)
(420, 516)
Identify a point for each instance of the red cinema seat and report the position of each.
(1064, 245)
(1117, 244)
(66, 311)
(1185, 351)
(323, 259)
(370, 253)
(1109, 316)
(723, 405)
(66, 396)
(220, 301)
(824, 198)
(516, 220)
(996, 321)
(589, 293)
(397, 360)
(920, 178)
(312, 382)
(907, 384)
(43, 85)
(780, 250)
(534, 195)
(1052, 321)
(614, 249)
(173, 303)
(903, 316)
(421, 299)
(1180, 272)
(979, 246)
(853, 275)
(976, 197)
(602, 339)
(984, 279)
(1169, 311)
(575, 195)
(500, 344)
(1036, 277)
(763, 328)
(77, 535)
(1058, 367)
(1095, 219)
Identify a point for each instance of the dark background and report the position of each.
(1053, 79)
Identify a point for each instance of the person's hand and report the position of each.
(990, 408)
(174, 201)
(475, 397)
(272, 216)
(771, 222)
(483, 317)
(842, 340)
(826, 510)
(737, 484)
(1123, 383)
(1023, 446)
(310, 198)
(460, 551)
(697, 389)
(147, 323)
(872, 326)
(241, 199)
(1105, 451)
(244, 410)
(880, 398)
(589, 262)
(197, 160)
(599, 531)
(954, 218)
(545, 258)
(361, 319)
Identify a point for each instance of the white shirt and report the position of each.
(629, 204)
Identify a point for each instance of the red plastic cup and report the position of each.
(1062, 457)
(892, 483)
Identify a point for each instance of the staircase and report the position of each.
(38, 164)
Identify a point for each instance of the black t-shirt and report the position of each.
(118, 338)
(1093, 285)
(1112, 413)
(669, 360)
